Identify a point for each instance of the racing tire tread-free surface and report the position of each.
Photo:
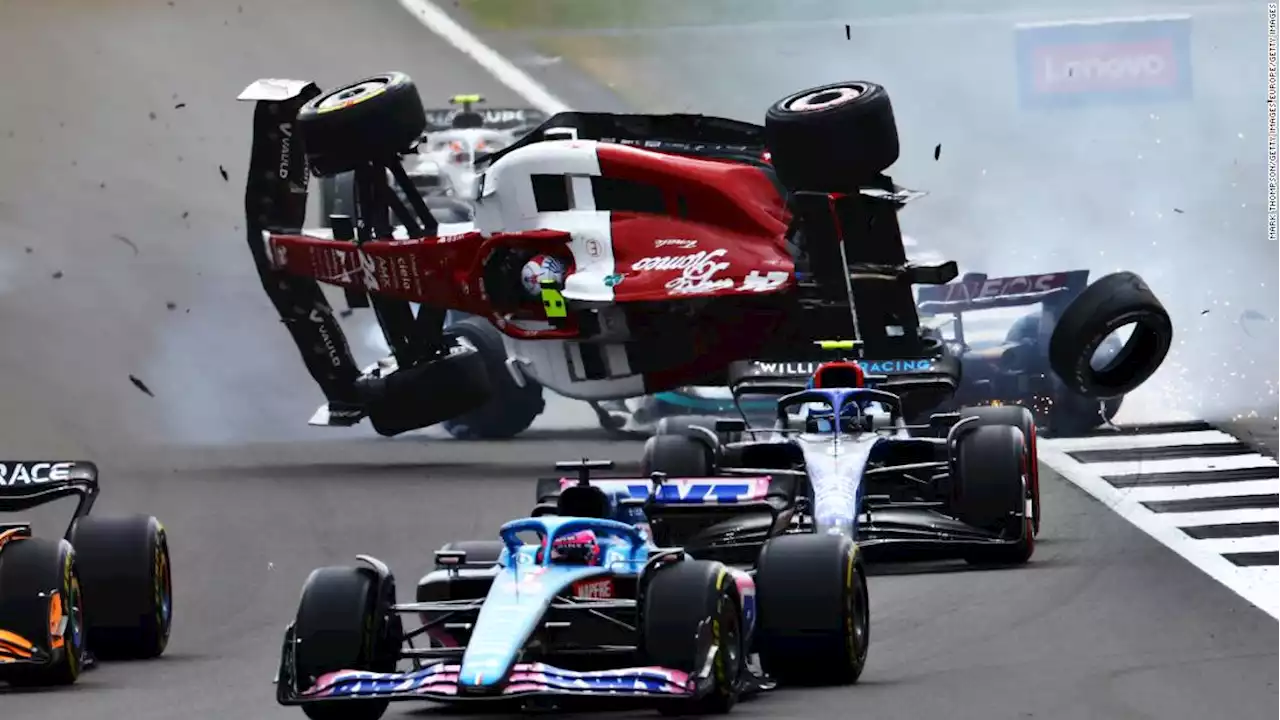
(676, 634)
(832, 138)
(29, 569)
(432, 392)
(127, 582)
(678, 456)
(340, 625)
(1110, 303)
(371, 119)
(814, 611)
(1021, 418)
(990, 495)
(511, 409)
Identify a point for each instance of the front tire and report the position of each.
(372, 119)
(991, 492)
(343, 623)
(689, 609)
(814, 612)
(1021, 418)
(29, 569)
(678, 456)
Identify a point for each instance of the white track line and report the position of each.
(1209, 464)
(1133, 442)
(448, 29)
(1257, 585)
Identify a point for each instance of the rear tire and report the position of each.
(1110, 303)
(1021, 418)
(821, 147)
(814, 616)
(343, 623)
(128, 585)
(678, 602)
(990, 493)
(679, 456)
(371, 119)
(512, 409)
(29, 569)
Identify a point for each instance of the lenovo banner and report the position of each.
(1104, 62)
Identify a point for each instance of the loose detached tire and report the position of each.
(371, 119)
(832, 138)
(1110, 303)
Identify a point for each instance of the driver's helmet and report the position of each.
(579, 548)
(830, 375)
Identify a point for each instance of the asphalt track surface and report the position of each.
(95, 150)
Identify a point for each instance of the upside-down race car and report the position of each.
(103, 591)
(645, 253)
(576, 601)
(843, 461)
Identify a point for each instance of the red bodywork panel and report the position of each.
(722, 234)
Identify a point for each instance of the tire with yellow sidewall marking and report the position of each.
(814, 616)
(126, 575)
(690, 609)
(52, 623)
(371, 119)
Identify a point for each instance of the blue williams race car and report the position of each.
(843, 462)
(576, 601)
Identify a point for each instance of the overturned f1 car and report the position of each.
(646, 253)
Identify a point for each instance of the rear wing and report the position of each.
(25, 484)
(897, 376)
(976, 291)
(515, 119)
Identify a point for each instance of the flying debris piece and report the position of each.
(141, 386)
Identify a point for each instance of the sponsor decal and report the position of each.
(698, 271)
(672, 242)
(1107, 62)
(614, 280)
(756, 282)
(978, 287)
(872, 367)
(36, 473)
(593, 248)
(601, 589)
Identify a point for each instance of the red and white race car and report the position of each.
(619, 255)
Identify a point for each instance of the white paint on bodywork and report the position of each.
(835, 464)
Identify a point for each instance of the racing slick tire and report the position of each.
(678, 456)
(832, 138)
(29, 569)
(813, 610)
(678, 602)
(1110, 303)
(990, 492)
(1021, 418)
(699, 427)
(128, 585)
(435, 391)
(511, 409)
(345, 622)
(371, 119)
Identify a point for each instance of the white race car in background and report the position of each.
(444, 170)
